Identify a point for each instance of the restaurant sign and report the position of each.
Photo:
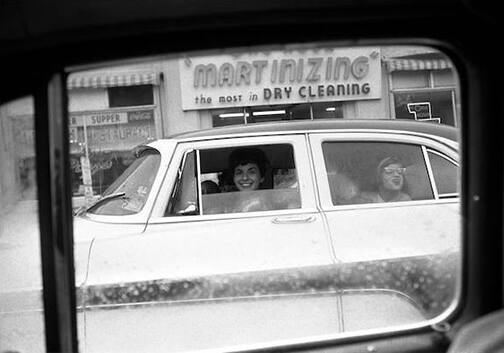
(99, 119)
(280, 77)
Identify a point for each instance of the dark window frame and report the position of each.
(447, 28)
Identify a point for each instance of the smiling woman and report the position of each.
(248, 167)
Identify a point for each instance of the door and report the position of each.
(393, 218)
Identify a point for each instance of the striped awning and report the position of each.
(415, 64)
(104, 80)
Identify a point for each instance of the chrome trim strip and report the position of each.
(213, 300)
(430, 173)
(198, 183)
(254, 297)
(229, 216)
(388, 290)
(449, 195)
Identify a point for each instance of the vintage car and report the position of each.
(176, 244)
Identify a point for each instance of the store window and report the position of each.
(435, 106)
(260, 114)
(423, 88)
(130, 96)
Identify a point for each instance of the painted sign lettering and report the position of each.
(280, 77)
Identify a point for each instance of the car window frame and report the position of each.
(301, 156)
(481, 178)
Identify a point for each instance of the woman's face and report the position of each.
(247, 177)
(392, 177)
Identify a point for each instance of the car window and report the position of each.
(237, 179)
(375, 172)
(445, 174)
(21, 303)
(184, 199)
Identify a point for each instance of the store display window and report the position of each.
(125, 96)
(424, 89)
(435, 106)
(248, 115)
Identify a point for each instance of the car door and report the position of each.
(227, 268)
(410, 246)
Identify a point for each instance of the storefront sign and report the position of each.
(122, 137)
(140, 115)
(280, 77)
(99, 119)
(420, 110)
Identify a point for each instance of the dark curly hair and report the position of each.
(245, 155)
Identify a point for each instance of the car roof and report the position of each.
(439, 130)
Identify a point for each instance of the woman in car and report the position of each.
(391, 184)
(248, 166)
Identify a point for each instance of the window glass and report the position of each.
(229, 117)
(128, 194)
(410, 79)
(443, 78)
(299, 111)
(241, 179)
(184, 200)
(130, 96)
(327, 110)
(375, 172)
(21, 305)
(445, 175)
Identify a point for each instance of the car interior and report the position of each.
(42, 41)
(278, 189)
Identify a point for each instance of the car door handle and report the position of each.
(293, 219)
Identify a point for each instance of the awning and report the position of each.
(104, 80)
(415, 64)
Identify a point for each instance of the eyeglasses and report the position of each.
(392, 170)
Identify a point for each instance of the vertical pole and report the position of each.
(55, 215)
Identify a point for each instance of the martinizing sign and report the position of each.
(280, 77)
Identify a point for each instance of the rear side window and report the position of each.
(445, 174)
(374, 172)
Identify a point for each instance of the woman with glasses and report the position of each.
(390, 183)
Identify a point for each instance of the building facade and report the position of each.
(115, 109)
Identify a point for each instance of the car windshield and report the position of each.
(128, 194)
